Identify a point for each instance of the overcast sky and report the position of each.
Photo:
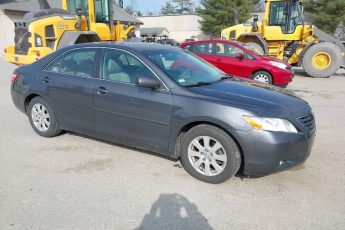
(147, 5)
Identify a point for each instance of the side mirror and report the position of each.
(148, 82)
(240, 56)
(256, 18)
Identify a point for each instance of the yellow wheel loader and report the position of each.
(283, 34)
(79, 21)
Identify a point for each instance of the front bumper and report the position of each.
(269, 152)
(283, 77)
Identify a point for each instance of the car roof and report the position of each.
(208, 40)
(134, 46)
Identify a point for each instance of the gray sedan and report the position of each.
(168, 101)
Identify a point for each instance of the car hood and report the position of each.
(259, 98)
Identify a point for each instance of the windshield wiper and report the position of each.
(200, 83)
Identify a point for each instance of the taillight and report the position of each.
(14, 77)
(38, 54)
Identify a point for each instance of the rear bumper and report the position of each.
(270, 152)
(18, 99)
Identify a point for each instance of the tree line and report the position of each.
(219, 14)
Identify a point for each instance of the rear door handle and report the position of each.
(102, 90)
(45, 79)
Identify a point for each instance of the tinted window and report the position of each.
(224, 49)
(73, 5)
(184, 68)
(277, 17)
(123, 67)
(295, 18)
(188, 48)
(203, 48)
(80, 62)
(102, 10)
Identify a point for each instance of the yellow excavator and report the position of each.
(79, 21)
(283, 34)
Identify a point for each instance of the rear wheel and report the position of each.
(256, 47)
(263, 77)
(42, 118)
(322, 60)
(209, 154)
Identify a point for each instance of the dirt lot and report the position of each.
(73, 182)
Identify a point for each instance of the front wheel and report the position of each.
(263, 77)
(210, 154)
(42, 118)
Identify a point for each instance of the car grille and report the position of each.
(308, 121)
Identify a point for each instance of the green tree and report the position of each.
(325, 14)
(219, 14)
(168, 8)
(183, 6)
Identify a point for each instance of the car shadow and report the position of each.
(177, 161)
(174, 211)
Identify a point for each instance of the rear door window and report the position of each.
(203, 48)
(79, 62)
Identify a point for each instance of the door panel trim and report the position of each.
(131, 117)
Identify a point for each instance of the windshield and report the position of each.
(184, 68)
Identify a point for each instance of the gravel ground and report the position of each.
(74, 182)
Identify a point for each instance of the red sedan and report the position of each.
(238, 59)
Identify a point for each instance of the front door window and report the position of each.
(223, 49)
(278, 15)
(73, 5)
(102, 11)
(286, 15)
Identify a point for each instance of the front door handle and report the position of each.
(102, 90)
(45, 79)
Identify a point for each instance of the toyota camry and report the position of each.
(166, 100)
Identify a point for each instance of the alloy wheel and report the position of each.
(40, 117)
(207, 156)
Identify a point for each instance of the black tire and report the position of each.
(232, 153)
(53, 129)
(263, 75)
(326, 47)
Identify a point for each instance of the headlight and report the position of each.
(271, 124)
(278, 64)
